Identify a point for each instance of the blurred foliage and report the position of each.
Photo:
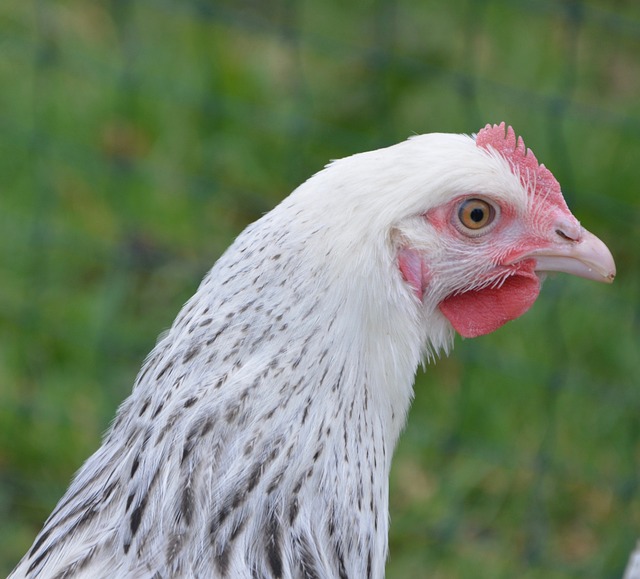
(139, 137)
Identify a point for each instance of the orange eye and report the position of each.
(475, 214)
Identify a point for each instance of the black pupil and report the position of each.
(477, 215)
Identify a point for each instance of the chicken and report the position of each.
(258, 438)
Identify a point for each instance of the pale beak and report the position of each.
(585, 257)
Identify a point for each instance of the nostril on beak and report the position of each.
(564, 235)
(569, 231)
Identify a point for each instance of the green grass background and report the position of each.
(138, 137)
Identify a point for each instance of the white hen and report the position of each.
(258, 438)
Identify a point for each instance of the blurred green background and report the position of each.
(138, 137)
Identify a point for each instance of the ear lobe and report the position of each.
(414, 271)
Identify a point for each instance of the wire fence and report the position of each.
(139, 137)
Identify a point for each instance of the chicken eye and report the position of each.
(476, 214)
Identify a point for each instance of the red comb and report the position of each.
(503, 140)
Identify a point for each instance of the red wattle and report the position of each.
(478, 312)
